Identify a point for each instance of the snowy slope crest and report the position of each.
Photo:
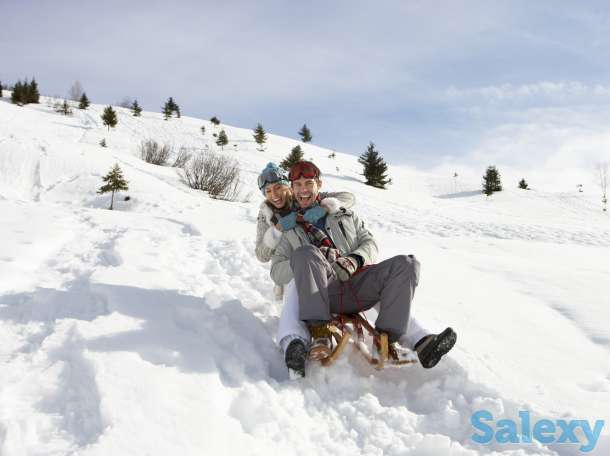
(149, 329)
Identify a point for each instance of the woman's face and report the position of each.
(277, 194)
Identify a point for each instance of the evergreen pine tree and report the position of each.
(83, 103)
(296, 155)
(168, 109)
(103, 142)
(523, 184)
(222, 140)
(114, 182)
(260, 136)
(136, 110)
(305, 134)
(109, 117)
(170, 102)
(215, 120)
(375, 167)
(17, 94)
(203, 130)
(32, 94)
(491, 181)
(0, 89)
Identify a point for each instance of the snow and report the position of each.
(149, 329)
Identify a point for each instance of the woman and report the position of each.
(274, 214)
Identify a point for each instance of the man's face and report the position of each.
(306, 191)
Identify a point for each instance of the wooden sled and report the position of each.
(356, 329)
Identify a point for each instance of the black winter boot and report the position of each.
(295, 357)
(431, 348)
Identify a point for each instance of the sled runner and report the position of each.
(355, 328)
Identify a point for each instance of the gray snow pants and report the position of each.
(390, 283)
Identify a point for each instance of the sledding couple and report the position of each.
(323, 262)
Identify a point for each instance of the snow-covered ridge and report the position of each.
(149, 329)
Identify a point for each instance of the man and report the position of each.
(332, 260)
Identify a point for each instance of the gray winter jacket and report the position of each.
(267, 237)
(345, 229)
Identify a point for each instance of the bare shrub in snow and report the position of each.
(216, 174)
(52, 101)
(76, 91)
(182, 157)
(153, 152)
(64, 108)
(126, 102)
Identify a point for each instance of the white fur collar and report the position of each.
(331, 204)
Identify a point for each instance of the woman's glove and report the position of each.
(289, 221)
(312, 215)
(272, 237)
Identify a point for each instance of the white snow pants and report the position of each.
(291, 327)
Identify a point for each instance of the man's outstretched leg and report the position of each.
(393, 283)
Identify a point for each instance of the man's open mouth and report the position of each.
(304, 199)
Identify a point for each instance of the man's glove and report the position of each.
(330, 254)
(289, 221)
(312, 215)
(345, 267)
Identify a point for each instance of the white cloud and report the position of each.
(555, 148)
(542, 92)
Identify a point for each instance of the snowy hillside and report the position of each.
(149, 329)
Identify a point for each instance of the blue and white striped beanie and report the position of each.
(274, 174)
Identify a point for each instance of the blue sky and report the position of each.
(429, 82)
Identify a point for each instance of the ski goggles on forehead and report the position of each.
(270, 176)
(303, 169)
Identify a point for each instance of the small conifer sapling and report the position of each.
(491, 181)
(260, 137)
(222, 140)
(83, 102)
(113, 182)
(374, 167)
(305, 134)
(136, 110)
(109, 117)
(295, 155)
